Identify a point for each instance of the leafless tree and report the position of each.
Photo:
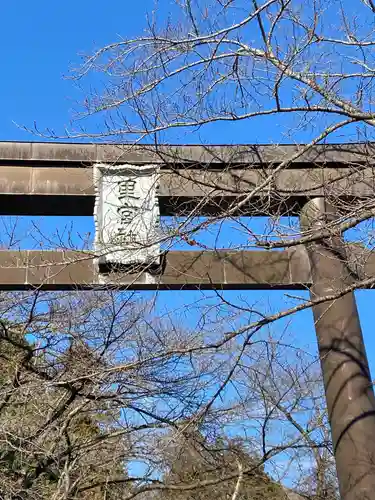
(94, 384)
(310, 66)
(307, 66)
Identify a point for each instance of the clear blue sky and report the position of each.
(40, 41)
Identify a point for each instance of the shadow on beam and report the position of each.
(223, 270)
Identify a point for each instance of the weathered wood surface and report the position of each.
(57, 179)
(223, 269)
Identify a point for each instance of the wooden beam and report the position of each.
(47, 189)
(249, 154)
(224, 269)
(205, 270)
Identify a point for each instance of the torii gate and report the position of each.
(57, 179)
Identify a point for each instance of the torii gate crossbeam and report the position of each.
(57, 179)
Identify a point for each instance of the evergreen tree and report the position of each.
(34, 464)
(190, 459)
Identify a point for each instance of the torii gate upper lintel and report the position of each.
(58, 179)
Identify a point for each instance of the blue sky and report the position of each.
(39, 43)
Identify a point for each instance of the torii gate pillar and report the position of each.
(349, 393)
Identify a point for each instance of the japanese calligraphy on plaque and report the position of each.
(126, 214)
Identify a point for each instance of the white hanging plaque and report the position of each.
(126, 214)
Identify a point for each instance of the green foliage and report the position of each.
(192, 461)
(47, 431)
